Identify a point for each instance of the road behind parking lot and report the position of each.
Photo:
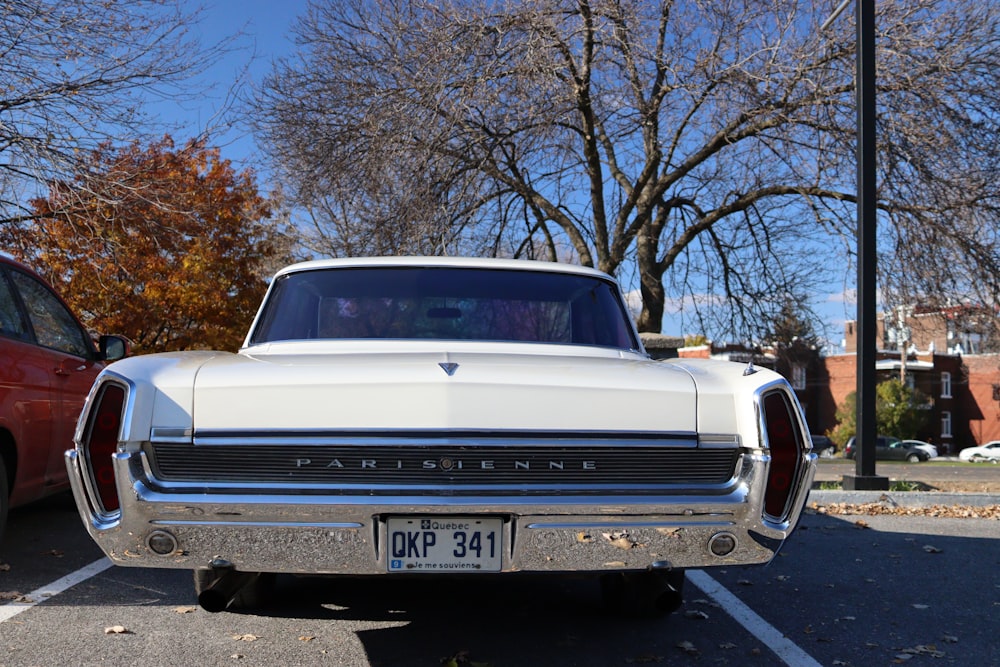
(847, 590)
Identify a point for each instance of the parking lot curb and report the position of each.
(904, 498)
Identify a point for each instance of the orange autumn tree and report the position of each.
(173, 252)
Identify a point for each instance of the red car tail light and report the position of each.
(101, 441)
(783, 441)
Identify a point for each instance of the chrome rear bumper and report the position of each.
(342, 534)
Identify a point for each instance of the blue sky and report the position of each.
(266, 25)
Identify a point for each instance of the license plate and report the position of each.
(444, 544)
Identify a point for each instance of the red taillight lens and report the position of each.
(783, 440)
(102, 440)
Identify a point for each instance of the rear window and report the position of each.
(445, 304)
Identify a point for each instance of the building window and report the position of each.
(945, 424)
(945, 385)
(798, 377)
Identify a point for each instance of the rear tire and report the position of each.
(914, 458)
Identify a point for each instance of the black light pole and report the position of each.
(865, 477)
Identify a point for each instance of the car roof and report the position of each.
(21, 266)
(445, 262)
(10, 261)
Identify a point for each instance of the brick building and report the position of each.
(943, 359)
(939, 353)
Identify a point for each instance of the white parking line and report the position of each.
(785, 649)
(12, 609)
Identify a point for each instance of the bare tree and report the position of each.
(710, 142)
(74, 75)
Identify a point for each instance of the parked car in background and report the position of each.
(988, 452)
(888, 448)
(412, 416)
(48, 363)
(931, 450)
(823, 446)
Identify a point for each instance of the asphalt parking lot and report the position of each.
(848, 590)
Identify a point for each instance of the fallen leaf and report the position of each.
(931, 549)
(921, 606)
(117, 630)
(949, 639)
(860, 524)
(727, 645)
(583, 537)
(620, 540)
(306, 638)
(4, 567)
(694, 613)
(924, 650)
(688, 648)
(10, 595)
(246, 638)
(185, 610)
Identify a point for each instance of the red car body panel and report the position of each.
(42, 388)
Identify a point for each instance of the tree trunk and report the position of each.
(650, 284)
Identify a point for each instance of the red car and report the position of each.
(48, 363)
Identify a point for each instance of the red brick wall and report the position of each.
(975, 410)
(984, 417)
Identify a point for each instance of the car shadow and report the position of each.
(502, 620)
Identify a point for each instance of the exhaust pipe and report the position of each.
(651, 593)
(224, 590)
(667, 596)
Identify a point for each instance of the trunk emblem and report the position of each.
(448, 367)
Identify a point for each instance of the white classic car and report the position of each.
(422, 416)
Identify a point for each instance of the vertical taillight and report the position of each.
(783, 442)
(101, 442)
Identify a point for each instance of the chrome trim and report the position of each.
(90, 493)
(174, 435)
(805, 466)
(719, 440)
(389, 438)
(555, 467)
